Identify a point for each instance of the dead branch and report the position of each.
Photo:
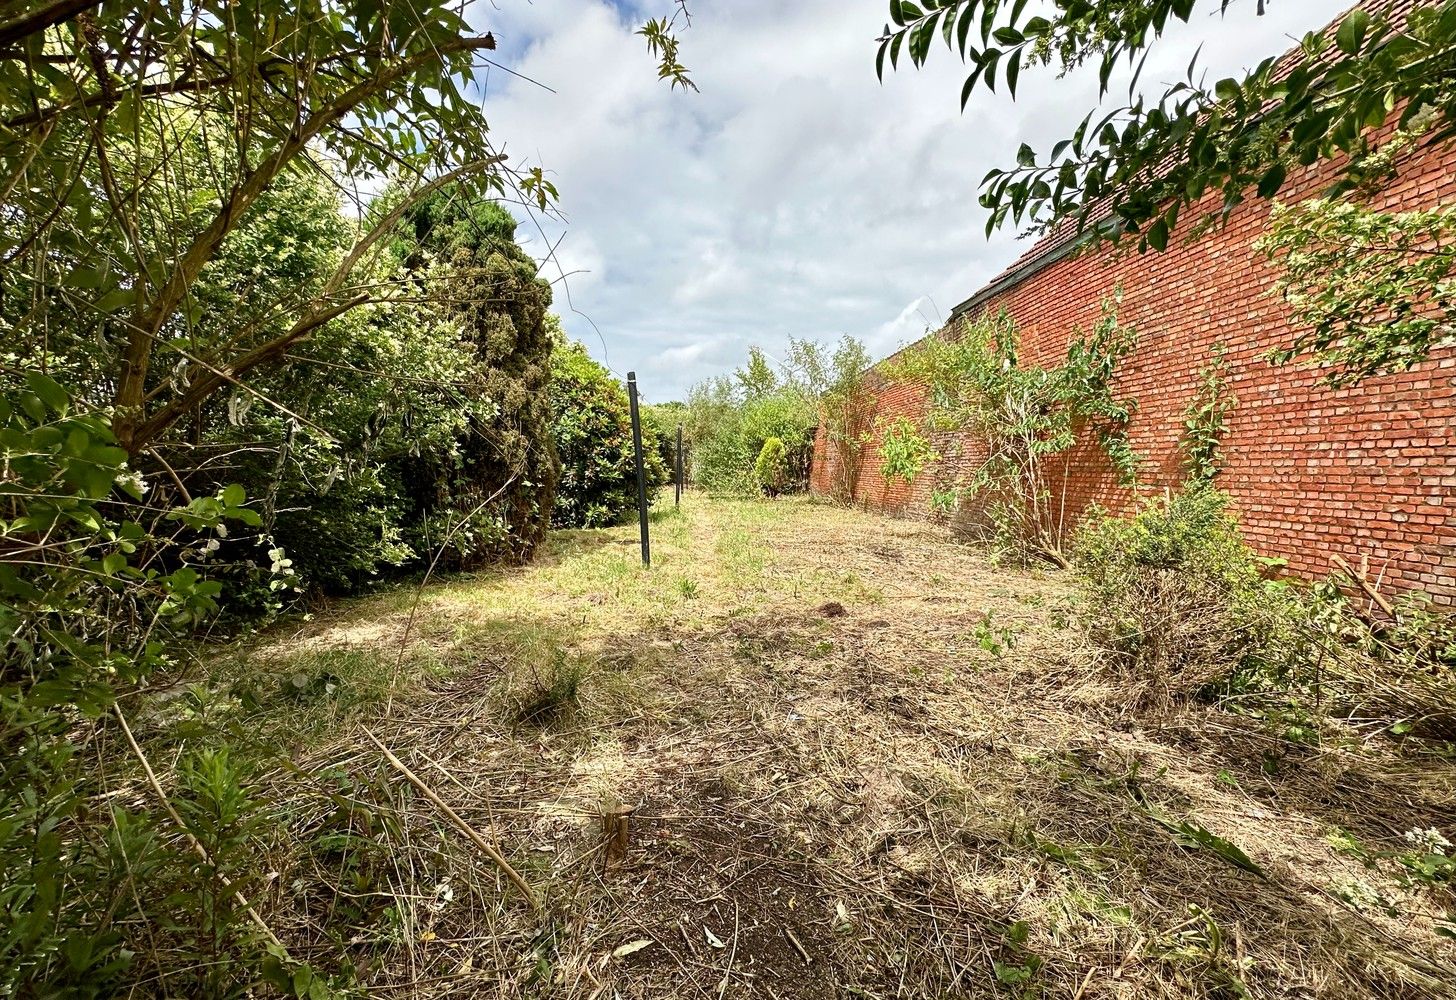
(460, 824)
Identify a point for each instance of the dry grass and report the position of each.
(920, 792)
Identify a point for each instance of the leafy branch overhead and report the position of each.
(662, 43)
(1196, 148)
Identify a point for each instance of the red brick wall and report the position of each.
(1368, 471)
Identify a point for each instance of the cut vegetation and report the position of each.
(811, 753)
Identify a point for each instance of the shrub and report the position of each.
(1173, 600)
(91, 603)
(406, 423)
(728, 433)
(496, 481)
(662, 421)
(904, 453)
(772, 467)
(728, 419)
(848, 409)
(1026, 416)
(1398, 667)
(592, 427)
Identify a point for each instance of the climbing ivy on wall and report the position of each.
(1206, 419)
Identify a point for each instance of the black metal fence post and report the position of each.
(641, 475)
(678, 479)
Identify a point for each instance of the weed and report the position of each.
(1018, 966)
(547, 693)
(1174, 600)
(1096, 907)
(1197, 945)
(687, 588)
(994, 639)
(1190, 834)
(1062, 854)
(945, 501)
(1425, 863)
(670, 516)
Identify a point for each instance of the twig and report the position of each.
(798, 946)
(732, 953)
(461, 825)
(420, 593)
(1360, 579)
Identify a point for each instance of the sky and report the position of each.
(794, 195)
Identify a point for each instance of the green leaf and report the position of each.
(1191, 834)
(248, 516)
(116, 299)
(85, 277)
(1157, 235)
(1272, 181)
(49, 391)
(1352, 31)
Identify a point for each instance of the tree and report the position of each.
(101, 103)
(490, 494)
(663, 421)
(1028, 417)
(756, 379)
(1136, 170)
(847, 405)
(184, 236)
(1374, 291)
(99, 106)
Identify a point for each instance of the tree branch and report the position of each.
(153, 315)
(210, 379)
(18, 29)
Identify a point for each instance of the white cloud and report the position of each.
(793, 196)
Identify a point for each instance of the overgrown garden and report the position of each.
(272, 341)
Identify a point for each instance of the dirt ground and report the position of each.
(855, 759)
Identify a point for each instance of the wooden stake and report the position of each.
(616, 830)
